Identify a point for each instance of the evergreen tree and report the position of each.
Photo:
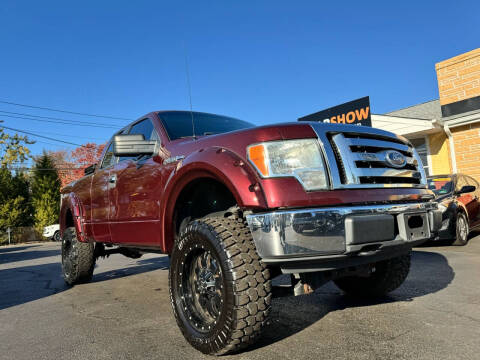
(45, 192)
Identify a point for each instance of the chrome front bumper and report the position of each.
(292, 234)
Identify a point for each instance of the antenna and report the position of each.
(189, 87)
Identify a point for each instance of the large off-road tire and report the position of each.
(219, 289)
(461, 230)
(388, 276)
(78, 259)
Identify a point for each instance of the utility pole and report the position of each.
(8, 232)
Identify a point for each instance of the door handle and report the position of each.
(112, 179)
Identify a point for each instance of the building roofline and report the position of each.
(411, 106)
(403, 117)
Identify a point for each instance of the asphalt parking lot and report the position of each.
(125, 312)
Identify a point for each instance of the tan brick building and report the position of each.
(446, 132)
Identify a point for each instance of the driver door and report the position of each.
(135, 197)
(468, 200)
(474, 204)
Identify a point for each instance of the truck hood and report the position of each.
(271, 132)
(237, 141)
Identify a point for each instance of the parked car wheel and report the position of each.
(220, 291)
(462, 230)
(78, 258)
(56, 236)
(388, 276)
(298, 228)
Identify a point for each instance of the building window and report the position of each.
(421, 146)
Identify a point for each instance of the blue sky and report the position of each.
(262, 61)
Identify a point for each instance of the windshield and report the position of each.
(440, 185)
(178, 124)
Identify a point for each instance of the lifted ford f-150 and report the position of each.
(235, 205)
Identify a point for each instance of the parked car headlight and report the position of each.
(301, 159)
(442, 207)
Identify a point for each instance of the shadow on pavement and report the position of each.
(10, 257)
(430, 273)
(446, 242)
(24, 284)
(8, 249)
(141, 267)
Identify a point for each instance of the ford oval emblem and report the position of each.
(395, 159)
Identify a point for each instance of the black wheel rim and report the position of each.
(201, 288)
(67, 254)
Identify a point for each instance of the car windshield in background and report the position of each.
(178, 124)
(441, 185)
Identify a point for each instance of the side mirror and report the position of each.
(133, 145)
(466, 189)
(90, 170)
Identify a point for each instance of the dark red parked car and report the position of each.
(458, 196)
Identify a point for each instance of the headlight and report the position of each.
(301, 159)
(442, 207)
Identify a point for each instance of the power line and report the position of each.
(47, 137)
(47, 143)
(61, 121)
(71, 136)
(64, 111)
(53, 118)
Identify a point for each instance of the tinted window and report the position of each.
(461, 182)
(440, 185)
(472, 181)
(109, 158)
(145, 128)
(178, 124)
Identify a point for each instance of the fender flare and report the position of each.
(70, 202)
(461, 208)
(234, 173)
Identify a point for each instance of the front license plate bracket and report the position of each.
(413, 227)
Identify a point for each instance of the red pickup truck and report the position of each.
(235, 205)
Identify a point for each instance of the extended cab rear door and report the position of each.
(100, 204)
(135, 197)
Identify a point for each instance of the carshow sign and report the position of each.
(356, 112)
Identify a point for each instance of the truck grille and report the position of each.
(363, 159)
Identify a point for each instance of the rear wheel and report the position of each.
(78, 258)
(219, 289)
(461, 230)
(388, 276)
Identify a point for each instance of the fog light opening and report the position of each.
(415, 221)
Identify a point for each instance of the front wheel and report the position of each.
(56, 236)
(78, 258)
(220, 291)
(386, 277)
(461, 232)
